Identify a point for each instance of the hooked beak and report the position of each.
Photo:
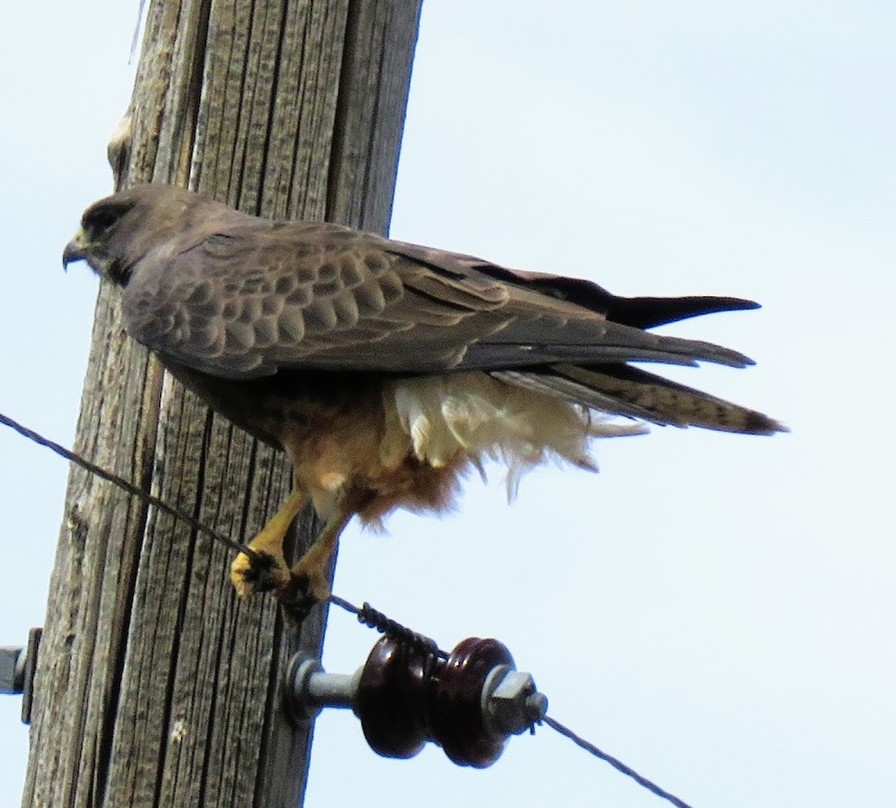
(75, 250)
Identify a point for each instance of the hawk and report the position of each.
(383, 369)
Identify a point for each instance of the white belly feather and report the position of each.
(477, 416)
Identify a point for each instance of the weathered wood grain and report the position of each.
(155, 687)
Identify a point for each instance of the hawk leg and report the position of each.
(308, 584)
(301, 586)
(269, 571)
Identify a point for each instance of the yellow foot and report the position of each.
(297, 589)
(267, 570)
(306, 588)
(265, 573)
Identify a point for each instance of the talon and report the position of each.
(303, 591)
(263, 573)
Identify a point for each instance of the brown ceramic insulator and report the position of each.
(456, 720)
(407, 696)
(391, 699)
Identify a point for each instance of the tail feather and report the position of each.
(621, 389)
(596, 374)
(577, 393)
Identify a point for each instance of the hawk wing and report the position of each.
(247, 298)
(259, 297)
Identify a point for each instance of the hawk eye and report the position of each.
(101, 218)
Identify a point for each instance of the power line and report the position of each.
(372, 618)
(614, 762)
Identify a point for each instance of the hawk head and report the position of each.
(119, 230)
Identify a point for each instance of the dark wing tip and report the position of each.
(758, 424)
(638, 312)
(649, 312)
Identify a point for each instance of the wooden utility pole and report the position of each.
(154, 686)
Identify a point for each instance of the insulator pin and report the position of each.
(469, 704)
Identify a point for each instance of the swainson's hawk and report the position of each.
(385, 369)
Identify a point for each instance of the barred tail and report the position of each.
(620, 389)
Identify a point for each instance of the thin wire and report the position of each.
(616, 764)
(372, 618)
(342, 603)
(126, 485)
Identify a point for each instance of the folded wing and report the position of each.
(259, 298)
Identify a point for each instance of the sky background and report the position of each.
(717, 611)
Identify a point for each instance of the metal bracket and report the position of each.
(17, 667)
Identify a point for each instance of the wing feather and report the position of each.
(249, 298)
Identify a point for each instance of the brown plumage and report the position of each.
(384, 369)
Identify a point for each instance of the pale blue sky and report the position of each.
(716, 611)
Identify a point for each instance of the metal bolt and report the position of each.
(510, 702)
(12, 669)
(309, 689)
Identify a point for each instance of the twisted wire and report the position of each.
(375, 619)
